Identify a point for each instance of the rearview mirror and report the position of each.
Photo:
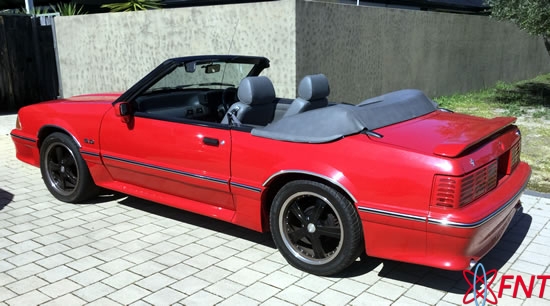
(124, 111)
(212, 68)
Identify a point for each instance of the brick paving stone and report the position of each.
(405, 301)
(84, 263)
(332, 297)
(225, 288)
(201, 261)
(5, 279)
(252, 254)
(424, 294)
(54, 261)
(66, 300)
(367, 299)
(129, 294)
(246, 276)
(180, 271)
(349, 286)
(25, 285)
(276, 302)
(80, 252)
(115, 266)
(23, 271)
(89, 276)
(189, 285)
(213, 274)
(171, 258)
(260, 291)
(23, 247)
(165, 296)
(201, 298)
(279, 279)
(135, 246)
(386, 290)
(295, 294)
(93, 292)
(238, 299)
(57, 273)
(24, 258)
(60, 288)
(30, 298)
(265, 266)
(233, 264)
(122, 279)
(140, 256)
(148, 268)
(221, 252)
(314, 283)
(6, 294)
(155, 282)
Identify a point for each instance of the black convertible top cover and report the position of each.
(334, 122)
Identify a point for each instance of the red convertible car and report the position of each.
(393, 176)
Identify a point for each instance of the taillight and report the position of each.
(17, 123)
(515, 153)
(454, 192)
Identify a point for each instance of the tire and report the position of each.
(315, 227)
(64, 172)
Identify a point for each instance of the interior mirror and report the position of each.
(124, 111)
(212, 68)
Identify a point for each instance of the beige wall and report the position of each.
(365, 51)
(110, 52)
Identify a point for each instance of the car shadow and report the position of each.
(199, 220)
(5, 198)
(443, 280)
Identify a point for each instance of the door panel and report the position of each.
(181, 159)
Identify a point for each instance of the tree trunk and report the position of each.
(546, 38)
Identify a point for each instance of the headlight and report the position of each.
(17, 123)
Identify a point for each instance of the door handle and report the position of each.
(211, 141)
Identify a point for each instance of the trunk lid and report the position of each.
(442, 133)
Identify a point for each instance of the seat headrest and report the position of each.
(313, 87)
(256, 90)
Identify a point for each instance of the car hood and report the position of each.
(442, 133)
(109, 97)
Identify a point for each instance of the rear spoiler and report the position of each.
(455, 147)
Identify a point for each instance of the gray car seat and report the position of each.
(312, 93)
(255, 106)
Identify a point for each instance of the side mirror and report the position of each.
(124, 111)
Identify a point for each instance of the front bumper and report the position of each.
(26, 147)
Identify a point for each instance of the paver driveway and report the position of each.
(123, 250)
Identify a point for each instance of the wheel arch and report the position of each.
(49, 129)
(275, 182)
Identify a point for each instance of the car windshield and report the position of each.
(209, 74)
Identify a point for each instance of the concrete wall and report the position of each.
(110, 52)
(367, 51)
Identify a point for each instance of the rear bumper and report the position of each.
(26, 148)
(453, 241)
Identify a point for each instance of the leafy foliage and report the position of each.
(530, 15)
(37, 10)
(68, 9)
(133, 5)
